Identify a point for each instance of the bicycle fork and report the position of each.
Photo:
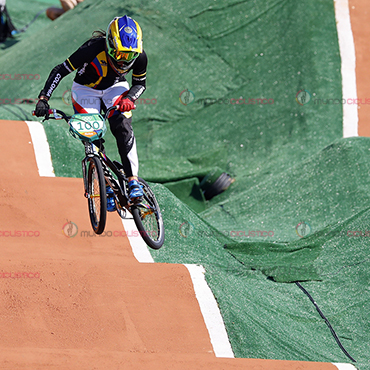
(92, 151)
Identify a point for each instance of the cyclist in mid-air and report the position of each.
(102, 64)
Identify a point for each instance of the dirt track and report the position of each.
(85, 302)
(360, 22)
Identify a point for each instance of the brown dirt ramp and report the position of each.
(85, 302)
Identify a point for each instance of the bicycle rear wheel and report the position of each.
(148, 218)
(97, 196)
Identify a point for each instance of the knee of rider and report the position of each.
(120, 125)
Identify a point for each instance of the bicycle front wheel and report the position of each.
(97, 196)
(148, 218)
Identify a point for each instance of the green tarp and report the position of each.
(238, 87)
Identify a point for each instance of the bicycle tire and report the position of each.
(148, 218)
(97, 196)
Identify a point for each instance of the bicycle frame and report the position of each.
(144, 210)
(119, 187)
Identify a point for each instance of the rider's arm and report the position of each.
(53, 80)
(85, 54)
(138, 77)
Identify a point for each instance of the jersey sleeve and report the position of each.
(53, 80)
(83, 55)
(138, 77)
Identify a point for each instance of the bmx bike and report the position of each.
(99, 171)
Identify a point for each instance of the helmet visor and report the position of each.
(122, 56)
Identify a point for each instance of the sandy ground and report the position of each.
(360, 22)
(85, 302)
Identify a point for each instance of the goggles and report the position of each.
(122, 56)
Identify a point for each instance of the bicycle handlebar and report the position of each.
(54, 112)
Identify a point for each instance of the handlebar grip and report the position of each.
(50, 111)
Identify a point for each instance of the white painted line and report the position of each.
(41, 148)
(348, 67)
(208, 305)
(344, 366)
(211, 313)
(139, 247)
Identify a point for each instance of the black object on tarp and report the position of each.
(6, 25)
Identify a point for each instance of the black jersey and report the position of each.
(94, 70)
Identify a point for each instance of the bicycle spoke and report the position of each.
(148, 218)
(96, 196)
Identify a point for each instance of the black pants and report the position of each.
(121, 129)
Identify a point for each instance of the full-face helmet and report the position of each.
(124, 42)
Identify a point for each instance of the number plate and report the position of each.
(87, 126)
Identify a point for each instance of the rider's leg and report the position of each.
(120, 124)
(122, 130)
(85, 99)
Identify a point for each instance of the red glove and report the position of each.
(125, 104)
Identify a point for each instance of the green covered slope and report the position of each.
(300, 190)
